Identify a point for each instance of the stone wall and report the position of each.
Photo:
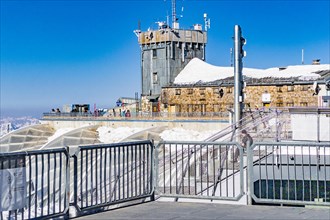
(208, 99)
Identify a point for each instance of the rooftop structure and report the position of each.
(166, 51)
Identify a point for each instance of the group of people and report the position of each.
(122, 113)
(56, 111)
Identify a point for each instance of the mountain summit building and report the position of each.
(164, 53)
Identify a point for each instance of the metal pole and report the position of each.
(249, 174)
(173, 13)
(238, 76)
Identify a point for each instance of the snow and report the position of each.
(198, 70)
(113, 135)
(180, 134)
(59, 133)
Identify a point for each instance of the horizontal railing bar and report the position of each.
(34, 152)
(87, 147)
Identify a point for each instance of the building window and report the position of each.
(279, 88)
(155, 78)
(202, 92)
(190, 108)
(216, 108)
(290, 88)
(229, 89)
(303, 104)
(178, 92)
(290, 104)
(190, 91)
(279, 104)
(304, 87)
(154, 53)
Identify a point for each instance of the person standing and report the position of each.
(247, 140)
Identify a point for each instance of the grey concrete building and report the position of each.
(164, 53)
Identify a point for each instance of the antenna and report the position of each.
(138, 31)
(207, 22)
(173, 13)
(231, 56)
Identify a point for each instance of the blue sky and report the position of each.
(63, 52)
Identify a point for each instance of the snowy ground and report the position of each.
(112, 135)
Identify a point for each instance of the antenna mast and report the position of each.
(175, 24)
(173, 12)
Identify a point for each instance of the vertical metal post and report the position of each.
(67, 187)
(318, 125)
(238, 76)
(154, 169)
(249, 174)
(75, 180)
(238, 80)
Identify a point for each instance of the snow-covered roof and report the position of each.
(200, 71)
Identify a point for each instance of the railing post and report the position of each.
(249, 173)
(154, 170)
(318, 125)
(75, 179)
(67, 193)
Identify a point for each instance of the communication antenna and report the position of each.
(138, 31)
(174, 19)
(207, 22)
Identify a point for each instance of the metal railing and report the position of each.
(141, 116)
(110, 174)
(290, 173)
(199, 170)
(34, 184)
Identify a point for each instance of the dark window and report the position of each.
(154, 53)
(279, 88)
(178, 92)
(304, 87)
(202, 91)
(290, 104)
(290, 88)
(279, 104)
(229, 89)
(155, 77)
(190, 91)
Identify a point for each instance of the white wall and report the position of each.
(304, 127)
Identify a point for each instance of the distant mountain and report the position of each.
(10, 124)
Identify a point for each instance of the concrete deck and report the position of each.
(180, 210)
